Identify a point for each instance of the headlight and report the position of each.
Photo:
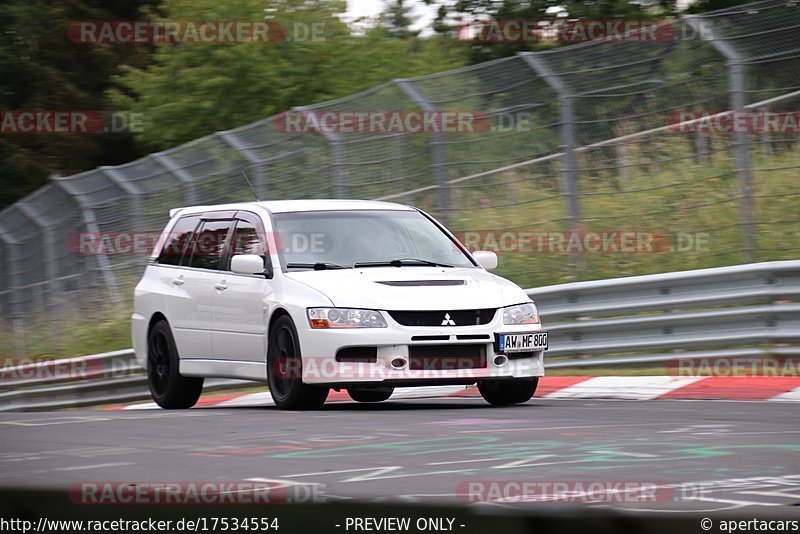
(521, 314)
(345, 318)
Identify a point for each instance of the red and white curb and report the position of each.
(263, 398)
(750, 388)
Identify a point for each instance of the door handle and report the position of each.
(221, 285)
(177, 281)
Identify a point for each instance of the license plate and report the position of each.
(528, 342)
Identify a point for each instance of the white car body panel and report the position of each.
(188, 308)
(359, 288)
(240, 317)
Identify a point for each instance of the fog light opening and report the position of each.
(500, 361)
(398, 363)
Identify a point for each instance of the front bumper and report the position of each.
(319, 348)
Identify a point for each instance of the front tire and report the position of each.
(168, 388)
(507, 392)
(285, 370)
(370, 394)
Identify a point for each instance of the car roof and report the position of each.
(284, 206)
(289, 206)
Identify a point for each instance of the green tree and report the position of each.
(468, 11)
(43, 70)
(397, 18)
(193, 90)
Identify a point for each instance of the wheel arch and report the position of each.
(156, 317)
(277, 314)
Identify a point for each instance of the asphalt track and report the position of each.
(713, 455)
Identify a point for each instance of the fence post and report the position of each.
(621, 150)
(259, 182)
(49, 259)
(338, 170)
(737, 91)
(340, 189)
(90, 221)
(569, 140)
(701, 148)
(49, 249)
(15, 298)
(439, 148)
(766, 137)
(133, 194)
(184, 176)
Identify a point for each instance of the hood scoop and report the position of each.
(416, 283)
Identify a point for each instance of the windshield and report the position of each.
(343, 239)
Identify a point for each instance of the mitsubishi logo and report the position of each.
(448, 321)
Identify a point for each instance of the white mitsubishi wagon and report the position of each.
(309, 295)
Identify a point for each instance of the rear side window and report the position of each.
(178, 241)
(209, 244)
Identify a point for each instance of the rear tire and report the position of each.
(370, 394)
(167, 387)
(285, 370)
(507, 392)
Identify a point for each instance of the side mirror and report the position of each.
(247, 264)
(486, 259)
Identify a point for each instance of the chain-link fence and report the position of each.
(601, 159)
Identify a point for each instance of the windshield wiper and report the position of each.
(400, 262)
(319, 266)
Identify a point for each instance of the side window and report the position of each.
(178, 240)
(247, 240)
(209, 244)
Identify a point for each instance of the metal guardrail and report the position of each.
(752, 308)
(122, 381)
(748, 311)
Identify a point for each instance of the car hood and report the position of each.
(412, 288)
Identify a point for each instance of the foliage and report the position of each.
(43, 70)
(398, 19)
(195, 90)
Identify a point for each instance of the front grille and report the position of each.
(446, 357)
(437, 318)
